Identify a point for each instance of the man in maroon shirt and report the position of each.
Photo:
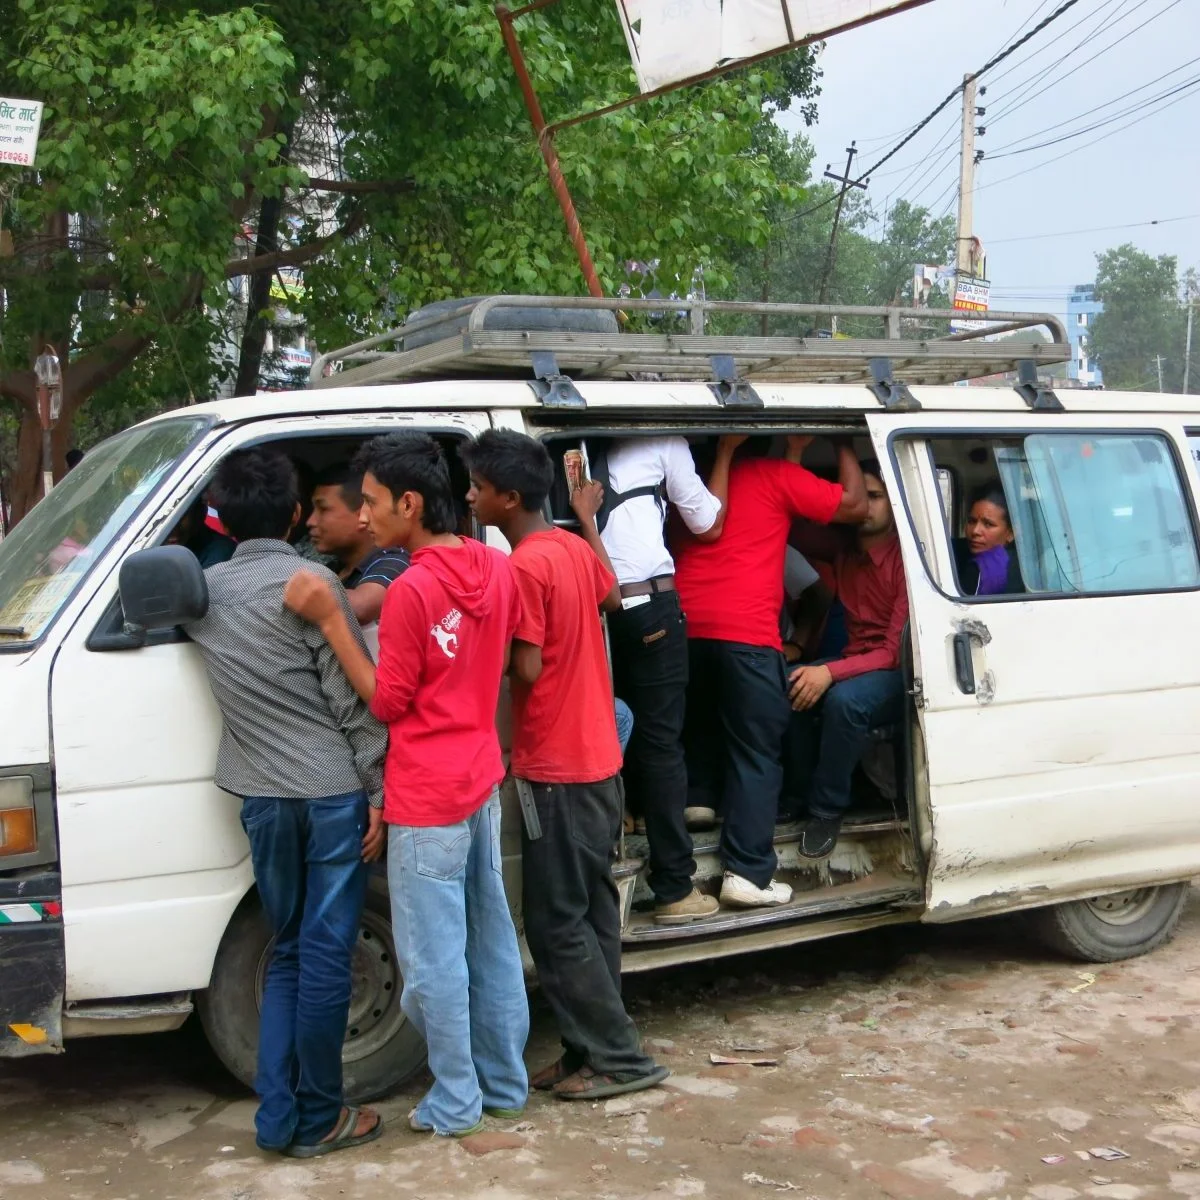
(838, 702)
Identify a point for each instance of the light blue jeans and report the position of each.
(464, 988)
(624, 724)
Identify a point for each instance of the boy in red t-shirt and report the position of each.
(444, 635)
(565, 758)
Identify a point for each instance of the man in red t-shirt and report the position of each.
(737, 712)
(565, 759)
(444, 635)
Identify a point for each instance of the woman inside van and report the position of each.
(986, 559)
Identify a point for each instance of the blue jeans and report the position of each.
(624, 724)
(464, 987)
(826, 742)
(307, 857)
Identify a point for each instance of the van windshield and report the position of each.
(54, 547)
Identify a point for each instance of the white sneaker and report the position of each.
(700, 818)
(741, 893)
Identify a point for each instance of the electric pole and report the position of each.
(1158, 362)
(964, 260)
(847, 183)
(1187, 345)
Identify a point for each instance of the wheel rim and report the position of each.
(1122, 908)
(375, 1016)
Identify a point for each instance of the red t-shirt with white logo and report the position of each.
(732, 589)
(443, 634)
(564, 726)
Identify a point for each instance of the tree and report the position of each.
(1142, 320)
(867, 269)
(383, 147)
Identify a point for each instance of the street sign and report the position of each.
(971, 295)
(20, 123)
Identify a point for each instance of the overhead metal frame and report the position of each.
(738, 362)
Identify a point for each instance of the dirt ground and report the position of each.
(908, 1064)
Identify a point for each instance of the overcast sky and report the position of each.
(882, 79)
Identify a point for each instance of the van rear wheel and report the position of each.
(382, 1050)
(1108, 928)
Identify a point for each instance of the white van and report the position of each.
(1049, 758)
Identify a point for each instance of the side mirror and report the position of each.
(162, 587)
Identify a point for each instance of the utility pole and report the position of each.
(1187, 345)
(1158, 361)
(847, 183)
(964, 259)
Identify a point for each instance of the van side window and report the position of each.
(1088, 513)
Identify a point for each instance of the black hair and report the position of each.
(993, 493)
(255, 493)
(74, 457)
(346, 480)
(511, 462)
(870, 466)
(411, 462)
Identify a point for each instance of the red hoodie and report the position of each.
(445, 627)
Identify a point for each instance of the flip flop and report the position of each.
(342, 1139)
(592, 1086)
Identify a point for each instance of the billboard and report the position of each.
(971, 296)
(20, 123)
(673, 40)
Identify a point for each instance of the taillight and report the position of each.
(18, 822)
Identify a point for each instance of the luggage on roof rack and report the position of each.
(496, 335)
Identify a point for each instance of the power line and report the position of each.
(1091, 111)
(1034, 237)
(1106, 22)
(1067, 153)
(1027, 96)
(1149, 102)
(992, 62)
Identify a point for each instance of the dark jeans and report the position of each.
(826, 742)
(573, 924)
(736, 721)
(307, 857)
(650, 673)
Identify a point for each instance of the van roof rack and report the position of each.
(471, 348)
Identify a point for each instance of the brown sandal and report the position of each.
(549, 1077)
(586, 1084)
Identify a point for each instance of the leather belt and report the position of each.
(660, 583)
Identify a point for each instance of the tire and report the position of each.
(382, 1050)
(1112, 927)
(572, 320)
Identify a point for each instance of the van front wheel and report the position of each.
(1107, 928)
(382, 1050)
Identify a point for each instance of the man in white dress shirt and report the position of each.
(649, 640)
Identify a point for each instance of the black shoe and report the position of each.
(820, 836)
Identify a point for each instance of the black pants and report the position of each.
(573, 924)
(650, 673)
(737, 717)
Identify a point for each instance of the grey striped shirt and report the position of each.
(293, 725)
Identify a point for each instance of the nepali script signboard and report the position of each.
(673, 40)
(971, 295)
(20, 122)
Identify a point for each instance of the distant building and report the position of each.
(1082, 310)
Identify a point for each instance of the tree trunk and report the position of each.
(254, 336)
(258, 305)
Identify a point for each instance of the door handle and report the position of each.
(964, 667)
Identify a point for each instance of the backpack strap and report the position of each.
(598, 471)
